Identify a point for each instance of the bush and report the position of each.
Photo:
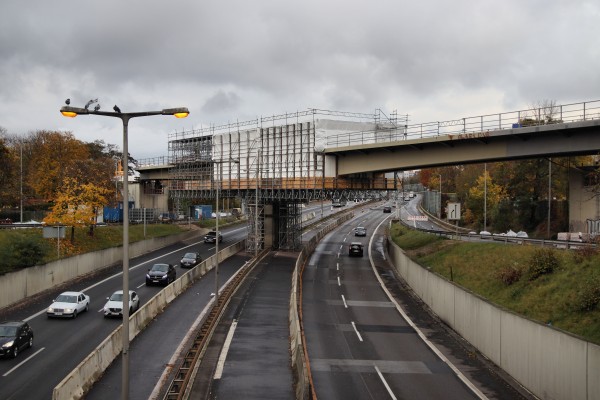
(26, 251)
(584, 253)
(510, 274)
(544, 261)
(588, 296)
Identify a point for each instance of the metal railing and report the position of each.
(478, 125)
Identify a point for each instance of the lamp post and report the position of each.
(485, 197)
(440, 209)
(72, 112)
(21, 160)
(217, 212)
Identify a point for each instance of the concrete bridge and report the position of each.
(276, 163)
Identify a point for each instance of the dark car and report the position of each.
(14, 337)
(189, 260)
(387, 209)
(211, 237)
(360, 231)
(355, 249)
(161, 274)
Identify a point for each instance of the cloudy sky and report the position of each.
(234, 60)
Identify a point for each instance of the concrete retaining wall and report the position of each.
(81, 379)
(18, 285)
(550, 363)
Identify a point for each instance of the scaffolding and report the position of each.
(272, 160)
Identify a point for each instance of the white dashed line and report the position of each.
(356, 330)
(385, 383)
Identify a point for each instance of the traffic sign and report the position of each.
(453, 211)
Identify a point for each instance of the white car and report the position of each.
(69, 304)
(114, 305)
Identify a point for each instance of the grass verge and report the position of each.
(555, 287)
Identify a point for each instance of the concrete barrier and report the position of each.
(16, 286)
(550, 363)
(81, 379)
(300, 365)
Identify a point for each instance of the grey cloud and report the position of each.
(240, 59)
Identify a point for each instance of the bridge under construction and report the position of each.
(274, 164)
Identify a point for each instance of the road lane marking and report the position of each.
(115, 275)
(356, 330)
(23, 362)
(225, 350)
(337, 266)
(339, 283)
(344, 300)
(410, 322)
(385, 383)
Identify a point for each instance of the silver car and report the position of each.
(69, 304)
(114, 305)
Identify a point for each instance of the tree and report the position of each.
(77, 205)
(57, 156)
(492, 192)
(7, 171)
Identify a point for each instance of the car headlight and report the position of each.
(68, 310)
(8, 344)
(50, 309)
(148, 276)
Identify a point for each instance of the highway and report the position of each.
(359, 343)
(61, 344)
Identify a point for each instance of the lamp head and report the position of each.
(180, 112)
(72, 112)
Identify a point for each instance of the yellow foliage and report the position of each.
(76, 204)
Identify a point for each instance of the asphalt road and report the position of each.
(360, 346)
(61, 344)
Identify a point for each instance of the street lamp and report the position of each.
(72, 112)
(440, 209)
(220, 180)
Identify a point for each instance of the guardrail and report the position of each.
(300, 362)
(551, 114)
(463, 233)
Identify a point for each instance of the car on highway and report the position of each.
(161, 274)
(387, 209)
(189, 260)
(355, 249)
(360, 231)
(14, 337)
(69, 304)
(114, 305)
(211, 237)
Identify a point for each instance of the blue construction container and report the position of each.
(203, 211)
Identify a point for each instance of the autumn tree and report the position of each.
(57, 156)
(483, 194)
(77, 205)
(7, 171)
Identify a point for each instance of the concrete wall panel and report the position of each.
(478, 322)
(442, 298)
(593, 371)
(550, 363)
(18, 285)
